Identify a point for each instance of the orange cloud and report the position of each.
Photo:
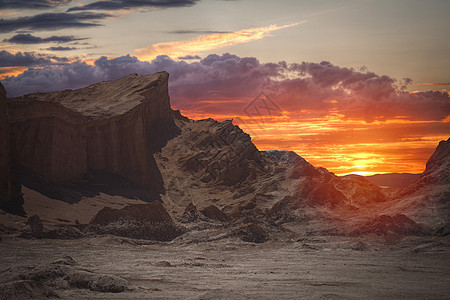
(11, 71)
(430, 83)
(344, 146)
(207, 42)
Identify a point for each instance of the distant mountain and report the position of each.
(395, 180)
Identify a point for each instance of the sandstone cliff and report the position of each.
(10, 196)
(112, 127)
(4, 144)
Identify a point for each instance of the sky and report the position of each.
(352, 86)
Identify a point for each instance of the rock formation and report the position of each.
(437, 171)
(38, 281)
(113, 127)
(142, 221)
(10, 196)
(4, 149)
(427, 200)
(208, 174)
(319, 187)
(382, 225)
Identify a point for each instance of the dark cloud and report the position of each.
(52, 21)
(29, 59)
(59, 48)
(31, 4)
(128, 4)
(225, 84)
(188, 57)
(22, 59)
(31, 39)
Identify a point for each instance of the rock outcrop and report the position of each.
(36, 282)
(437, 171)
(383, 224)
(4, 149)
(319, 187)
(220, 153)
(427, 200)
(113, 127)
(10, 196)
(141, 221)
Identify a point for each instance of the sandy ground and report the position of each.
(310, 268)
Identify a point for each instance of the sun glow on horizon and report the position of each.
(345, 146)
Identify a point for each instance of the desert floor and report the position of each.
(317, 267)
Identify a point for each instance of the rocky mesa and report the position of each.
(113, 127)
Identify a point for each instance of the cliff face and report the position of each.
(4, 145)
(436, 174)
(110, 126)
(10, 195)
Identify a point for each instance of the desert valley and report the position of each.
(108, 193)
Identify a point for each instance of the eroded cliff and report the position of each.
(112, 127)
(10, 196)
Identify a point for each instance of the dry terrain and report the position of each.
(312, 267)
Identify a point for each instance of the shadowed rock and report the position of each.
(220, 153)
(26, 289)
(191, 214)
(34, 281)
(252, 233)
(140, 221)
(281, 212)
(33, 228)
(11, 199)
(383, 225)
(212, 212)
(113, 127)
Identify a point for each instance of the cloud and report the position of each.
(31, 39)
(431, 83)
(52, 21)
(129, 4)
(26, 59)
(207, 42)
(31, 4)
(59, 48)
(197, 31)
(226, 84)
(188, 57)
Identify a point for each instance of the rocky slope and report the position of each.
(428, 198)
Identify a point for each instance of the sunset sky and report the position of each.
(352, 86)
